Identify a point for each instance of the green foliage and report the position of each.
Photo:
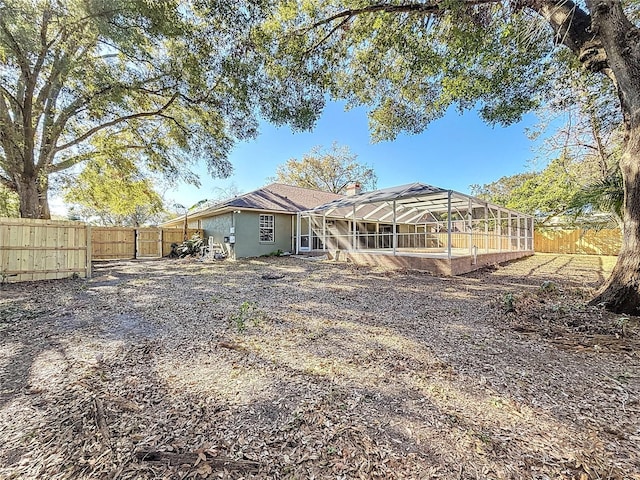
(565, 187)
(329, 171)
(275, 253)
(9, 203)
(509, 303)
(410, 68)
(163, 84)
(247, 312)
(604, 195)
(501, 191)
(544, 194)
(116, 193)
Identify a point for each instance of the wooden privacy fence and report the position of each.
(120, 243)
(52, 249)
(43, 249)
(578, 241)
(113, 243)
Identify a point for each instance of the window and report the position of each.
(267, 229)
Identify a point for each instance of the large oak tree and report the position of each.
(166, 83)
(412, 60)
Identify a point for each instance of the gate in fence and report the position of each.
(52, 249)
(120, 243)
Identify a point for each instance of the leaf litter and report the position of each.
(276, 368)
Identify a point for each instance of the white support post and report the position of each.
(470, 220)
(324, 232)
(510, 230)
(449, 225)
(353, 232)
(486, 228)
(499, 224)
(519, 233)
(395, 233)
(298, 231)
(532, 234)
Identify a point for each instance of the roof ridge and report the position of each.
(302, 188)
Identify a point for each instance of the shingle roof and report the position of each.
(276, 197)
(281, 197)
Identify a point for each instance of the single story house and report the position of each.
(414, 226)
(256, 223)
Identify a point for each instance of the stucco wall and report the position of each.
(248, 235)
(217, 227)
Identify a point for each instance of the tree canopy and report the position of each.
(114, 194)
(166, 83)
(9, 203)
(561, 189)
(331, 170)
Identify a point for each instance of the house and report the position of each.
(256, 223)
(414, 226)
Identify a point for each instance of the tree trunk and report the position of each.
(621, 41)
(621, 292)
(33, 198)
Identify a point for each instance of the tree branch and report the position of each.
(15, 46)
(570, 23)
(113, 122)
(7, 183)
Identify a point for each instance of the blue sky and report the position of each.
(454, 152)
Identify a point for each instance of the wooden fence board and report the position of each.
(113, 243)
(578, 241)
(149, 243)
(50, 249)
(121, 243)
(42, 249)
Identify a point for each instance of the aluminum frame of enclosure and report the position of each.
(415, 219)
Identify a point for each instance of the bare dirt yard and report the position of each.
(289, 368)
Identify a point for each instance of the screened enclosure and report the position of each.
(415, 219)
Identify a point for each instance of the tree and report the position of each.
(412, 60)
(116, 194)
(545, 194)
(329, 171)
(165, 83)
(502, 191)
(562, 188)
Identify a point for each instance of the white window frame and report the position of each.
(267, 228)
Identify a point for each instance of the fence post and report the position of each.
(89, 251)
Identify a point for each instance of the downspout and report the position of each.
(232, 246)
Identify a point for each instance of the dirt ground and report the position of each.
(290, 368)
